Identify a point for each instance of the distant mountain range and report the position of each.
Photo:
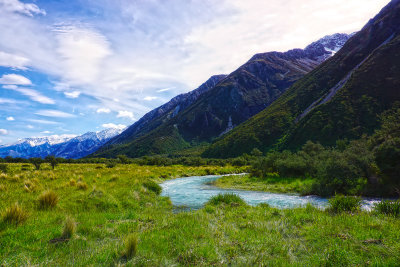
(64, 146)
(222, 102)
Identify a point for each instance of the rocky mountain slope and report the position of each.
(233, 100)
(342, 98)
(65, 146)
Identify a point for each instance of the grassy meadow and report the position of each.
(90, 215)
(273, 183)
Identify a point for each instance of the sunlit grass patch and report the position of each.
(82, 185)
(340, 203)
(388, 207)
(47, 199)
(229, 199)
(15, 214)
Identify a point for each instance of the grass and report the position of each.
(69, 228)
(228, 199)
(340, 203)
(388, 207)
(48, 199)
(153, 186)
(131, 244)
(273, 183)
(220, 235)
(15, 214)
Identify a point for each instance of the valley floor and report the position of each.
(109, 204)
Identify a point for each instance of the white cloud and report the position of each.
(112, 125)
(3, 132)
(54, 113)
(10, 118)
(29, 126)
(103, 110)
(43, 121)
(32, 94)
(13, 61)
(164, 89)
(82, 51)
(73, 94)
(46, 132)
(125, 114)
(150, 98)
(14, 79)
(28, 9)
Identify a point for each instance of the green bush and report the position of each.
(388, 207)
(153, 186)
(229, 199)
(340, 203)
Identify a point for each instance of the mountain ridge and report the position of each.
(234, 99)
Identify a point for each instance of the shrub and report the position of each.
(15, 214)
(111, 164)
(229, 199)
(340, 203)
(153, 186)
(131, 244)
(82, 185)
(69, 228)
(388, 207)
(48, 199)
(3, 168)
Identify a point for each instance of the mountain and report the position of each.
(230, 101)
(342, 98)
(157, 116)
(64, 146)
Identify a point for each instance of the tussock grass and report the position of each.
(340, 203)
(15, 214)
(69, 228)
(82, 185)
(153, 186)
(47, 199)
(72, 182)
(131, 244)
(388, 207)
(229, 199)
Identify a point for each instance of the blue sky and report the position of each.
(72, 66)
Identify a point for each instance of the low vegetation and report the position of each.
(119, 221)
(48, 199)
(340, 203)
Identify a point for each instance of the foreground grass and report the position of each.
(119, 221)
(274, 184)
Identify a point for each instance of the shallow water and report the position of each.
(193, 192)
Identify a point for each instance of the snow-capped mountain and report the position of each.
(63, 146)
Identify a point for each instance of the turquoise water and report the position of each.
(193, 192)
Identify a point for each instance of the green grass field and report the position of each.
(110, 217)
(273, 184)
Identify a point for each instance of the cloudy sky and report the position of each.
(72, 66)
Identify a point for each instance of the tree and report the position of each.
(52, 160)
(36, 162)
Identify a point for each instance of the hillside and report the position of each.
(342, 98)
(233, 100)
